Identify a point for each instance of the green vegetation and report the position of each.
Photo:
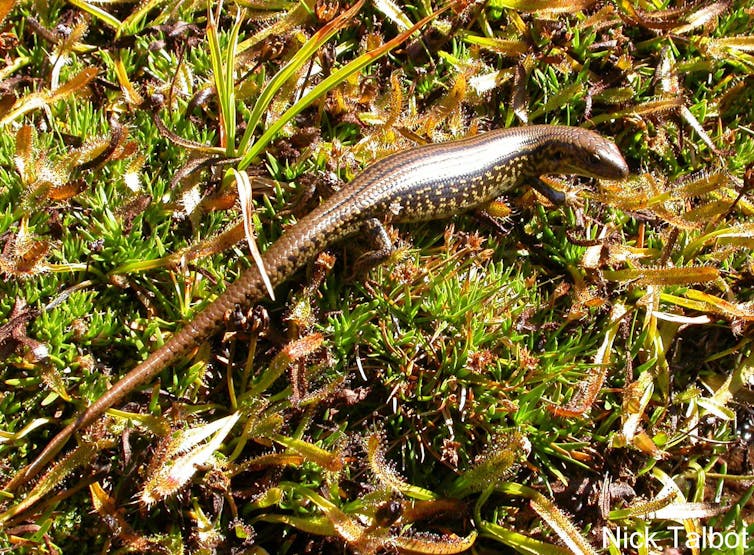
(568, 374)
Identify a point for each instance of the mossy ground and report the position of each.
(522, 384)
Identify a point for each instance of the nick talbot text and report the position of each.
(675, 536)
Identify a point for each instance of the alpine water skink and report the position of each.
(424, 183)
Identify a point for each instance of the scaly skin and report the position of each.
(425, 183)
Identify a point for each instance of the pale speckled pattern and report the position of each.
(425, 183)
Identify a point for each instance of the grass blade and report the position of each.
(99, 13)
(292, 67)
(333, 80)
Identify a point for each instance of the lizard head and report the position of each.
(581, 152)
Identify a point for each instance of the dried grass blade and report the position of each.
(24, 105)
(8, 437)
(243, 184)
